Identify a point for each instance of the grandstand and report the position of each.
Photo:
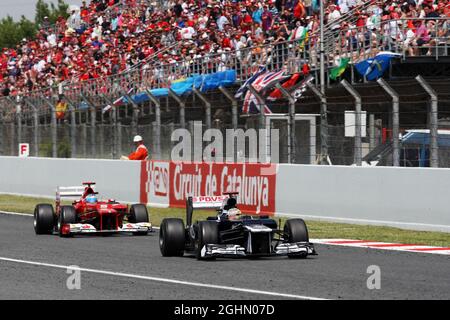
(103, 68)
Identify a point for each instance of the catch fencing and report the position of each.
(401, 123)
(410, 198)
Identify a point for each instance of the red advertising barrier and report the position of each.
(255, 183)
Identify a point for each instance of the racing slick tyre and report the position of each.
(208, 233)
(44, 219)
(138, 213)
(296, 231)
(67, 215)
(172, 237)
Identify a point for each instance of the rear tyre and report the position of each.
(295, 230)
(172, 237)
(208, 233)
(67, 215)
(44, 219)
(138, 213)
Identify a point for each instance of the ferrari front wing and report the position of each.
(85, 228)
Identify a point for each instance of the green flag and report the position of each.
(337, 71)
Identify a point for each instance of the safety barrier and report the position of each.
(408, 198)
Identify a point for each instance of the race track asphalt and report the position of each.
(336, 273)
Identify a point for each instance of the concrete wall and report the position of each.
(40, 176)
(413, 198)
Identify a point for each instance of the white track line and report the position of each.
(165, 280)
(17, 214)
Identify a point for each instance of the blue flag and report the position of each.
(374, 68)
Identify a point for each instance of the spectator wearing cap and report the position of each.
(333, 16)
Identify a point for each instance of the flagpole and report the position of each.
(323, 105)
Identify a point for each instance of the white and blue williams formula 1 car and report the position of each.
(232, 234)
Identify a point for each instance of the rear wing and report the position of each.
(76, 191)
(202, 203)
(213, 202)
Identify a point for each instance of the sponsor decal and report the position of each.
(154, 182)
(256, 192)
(171, 183)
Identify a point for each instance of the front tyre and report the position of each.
(44, 219)
(172, 237)
(67, 215)
(208, 233)
(138, 213)
(295, 230)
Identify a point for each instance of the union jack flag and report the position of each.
(262, 82)
(243, 89)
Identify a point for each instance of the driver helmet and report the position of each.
(92, 198)
(234, 214)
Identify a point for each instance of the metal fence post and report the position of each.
(119, 137)
(358, 104)
(234, 106)
(371, 131)
(182, 107)
(292, 136)
(395, 121)
(93, 132)
(101, 138)
(114, 146)
(13, 132)
(323, 123)
(13, 145)
(157, 127)
(73, 128)
(53, 127)
(35, 125)
(207, 107)
(434, 147)
(114, 126)
(262, 105)
(93, 115)
(18, 124)
(134, 121)
(84, 139)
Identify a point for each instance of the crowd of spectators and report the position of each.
(412, 27)
(107, 37)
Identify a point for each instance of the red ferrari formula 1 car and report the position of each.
(89, 215)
